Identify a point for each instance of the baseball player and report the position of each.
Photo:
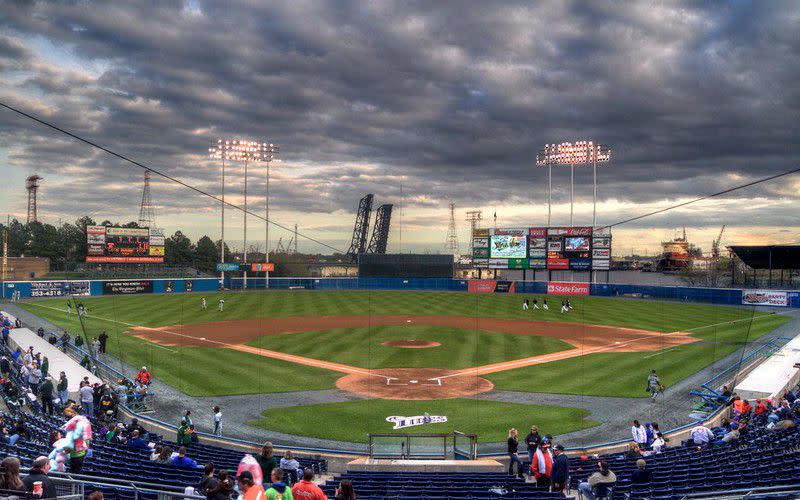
(69, 306)
(654, 385)
(535, 303)
(221, 304)
(544, 305)
(203, 303)
(525, 305)
(564, 307)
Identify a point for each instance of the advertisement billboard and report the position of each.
(481, 286)
(537, 253)
(577, 244)
(480, 253)
(557, 263)
(580, 264)
(567, 288)
(124, 260)
(110, 244)
(508, 247)
(59, 288)
(765, 298)
(127, 287)
(538, 263)
(482, 242)
(263, 267)
(569, 231)
(601, 253)
(228, 266)
(601, 264)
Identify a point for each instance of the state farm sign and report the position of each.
(567, 288)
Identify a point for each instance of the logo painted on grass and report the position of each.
(403, 422)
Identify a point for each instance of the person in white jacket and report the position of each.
(639, 434)
(702, 435)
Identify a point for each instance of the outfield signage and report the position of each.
(401, 422)
(265, 267)
(59, 288)
(567, 288)
(481, 286)
(227, 266)
(765, 298)
(127, 287)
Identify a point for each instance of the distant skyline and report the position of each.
(440, 102)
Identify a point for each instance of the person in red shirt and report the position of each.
(144, 376)
(305, 489)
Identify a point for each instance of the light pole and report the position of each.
(572, 154)
(271, 154)
(244, 151)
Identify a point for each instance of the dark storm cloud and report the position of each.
(449, 99)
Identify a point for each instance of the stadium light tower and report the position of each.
(244, 151)
(572, 154)
(270, 155)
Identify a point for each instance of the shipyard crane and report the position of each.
(715, 244)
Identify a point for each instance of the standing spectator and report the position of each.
(63, 392)
(603, 477)
(248, 488)
(5, 367)
(184, 435)
(45, 367)
(278, 490)
(46, 394)
(37, 482)
(345, 490)
(305, 489)
(532, 441)
(642, 475)
(266, 460)
(187, 417)
(9, 477)
(209, 483)
(560, 472)
(143, 376)
(182, 460)
(6, 334)
(87, 398)
(94, 347)
(34, 377)
(639, 434)
(513, 458)
(103, 338)
(64, 341)
(542, 464)
(217, 421)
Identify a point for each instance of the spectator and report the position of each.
(163, 455)
(5, 367)
(289, 464)
(184, 438)
(603, 477)
(95, 495)
(19, 431)
(701, 436)
(103, 338)
(182, 460)
(513, 458)
(87, 399)
(542, 464)
(46, 394)
(135, 426)
(40, 332)
(34, 377)
(248, 488)
(224, 489)
(634, 452)
(639, 434)
(266, 460)
(305, 489)
(64, 341)
(733, 434)
(62, 388)
(659, 443)
(345, 490)
(143, 376)
(560, 471)
(187, 418)
(217, 421)
(114, 433)
(278, 490)
(9, 477)
(136, 442)
(6, 334)
(532, 441)
(209, 483)
(642, 475)
(45, 367)
(37, 482)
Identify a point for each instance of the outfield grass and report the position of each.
(459, 348)
(353, 421)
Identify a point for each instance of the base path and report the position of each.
(414, 383)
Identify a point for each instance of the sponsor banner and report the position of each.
(228, 266)
(156, 251)
(601, 242)
(127, 231)
(96, 230)
(567, 288)
(577, 244)
(480, 233)
(557, 263)
(538, 263)
(480, 253)
(554, 246)
(537, 232)
(580, 264)
(127, 287)
(95, 239)
(537, 243)
(498, 265)
(401, 422)
(128, 260)
(78, 288)
(602, 231)
(481, 286)
(509, 232)
(518, 263)
(266, 267)
(48, 288)
(538, 253)
(157, 240)
(601, 264)
(569, 231)
(765, 298)
(480, 262)
(504, 287)
(96, 249)
(601, 253)
(482, 242)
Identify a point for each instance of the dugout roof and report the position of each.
(768, 256)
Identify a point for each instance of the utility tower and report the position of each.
(358, 245)
(32, 185)
(295, 238)
(451, 244)
(147, 216)
(473, 217)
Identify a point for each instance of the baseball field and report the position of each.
(407, 353)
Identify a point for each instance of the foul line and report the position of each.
(728, 322)
(657, 353)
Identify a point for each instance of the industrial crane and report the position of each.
(715, 244)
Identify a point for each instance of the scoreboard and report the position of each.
(124, 245)
(556, 248)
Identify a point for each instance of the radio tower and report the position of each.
(473, 217)
(32, 185)
(147, 216)
(452, 238)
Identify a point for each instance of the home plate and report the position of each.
(412, 381)
(408, 321)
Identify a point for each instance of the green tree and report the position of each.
(206, 254)
(178, 250)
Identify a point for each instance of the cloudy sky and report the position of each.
(421, 103)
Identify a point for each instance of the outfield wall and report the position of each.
(63, 288)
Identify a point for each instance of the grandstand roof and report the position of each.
(768, 256)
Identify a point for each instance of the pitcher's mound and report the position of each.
(411, 343)
(414, 384)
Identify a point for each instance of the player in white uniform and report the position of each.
(535, 303)
(221, 304)
(544, 305)
(203, 303)
(525, 305)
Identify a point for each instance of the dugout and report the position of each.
(405, 265)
